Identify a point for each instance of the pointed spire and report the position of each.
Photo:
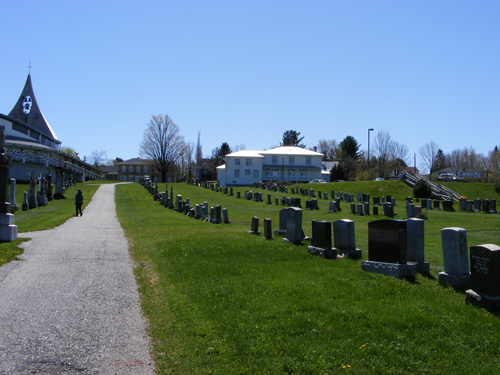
(27, 110)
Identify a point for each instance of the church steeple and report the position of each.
(27, 111)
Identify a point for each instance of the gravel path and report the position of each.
(71, 305)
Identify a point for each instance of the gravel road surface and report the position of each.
(71, 305)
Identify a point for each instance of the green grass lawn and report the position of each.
(221, 301)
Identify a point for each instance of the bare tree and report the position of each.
(384, 150)
(428, 154)
(162, 144)
(97, 158)
(239, 147)
(455, 160)
(188, 159)
(329, 148)
(495, 160)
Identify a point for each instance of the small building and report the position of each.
(132, 169)
(286, 163)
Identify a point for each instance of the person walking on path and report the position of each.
(71, 306)
(79, 202)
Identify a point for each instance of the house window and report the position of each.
(275, 160)
(308, 160)
(290, 173)
(249, 161)
(124, 168)
(236, 161)
(130, 169)
(138, 169)
(268, 173)
(248, 172)
(256, 174)
(302, 173)
(290, 160)
(236, 173)
(145, 169)
(276, 172)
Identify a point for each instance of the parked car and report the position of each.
(447, 177)
(379, 179)
(317, 181)
(339, 181)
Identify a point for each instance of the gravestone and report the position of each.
(294, 233)
(225, 216)
(448, 205)
(269, 198)
(415, 234)
(367, 208)
(345, 239)
(59, 188)
(375, 210)
(493, 206)
(12, 196)
(268, 234)
(339, 195)
(353, 208)
(25, 202)
(387, 249)
(436, 205)
(197, 211)
(360, 209)
(218, 214)
(485, 277)
(462, 204)
(321, 242)
(255, 226)
(32, 201)
(409, 210)
(477, 205)
(387, 241)
(283, 219)
(238, 194)
(8, 231)
(455, 259)
(376, 200)
(50, 196)
(469, 206)
(332, 207)
(325, 195)
(485, 206)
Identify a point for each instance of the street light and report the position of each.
(369, 130)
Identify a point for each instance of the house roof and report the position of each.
(290, 150)
(27, 103)
(245, 154)
(134, 161)
(284, 150)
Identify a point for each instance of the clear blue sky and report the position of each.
(243, 72)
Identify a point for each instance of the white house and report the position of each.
(287, 163)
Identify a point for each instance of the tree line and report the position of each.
(167, 149)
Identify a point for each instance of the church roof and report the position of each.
(27, 110)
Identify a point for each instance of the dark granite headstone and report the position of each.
(268, 234)
(387, 241)
(485, 269)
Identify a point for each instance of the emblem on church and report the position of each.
(27, 104)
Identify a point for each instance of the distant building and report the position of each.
(132, 169)
(287, 163)
(33, 145)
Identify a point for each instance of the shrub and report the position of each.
(422, 189)
(496, 187)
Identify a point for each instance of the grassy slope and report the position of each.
(222, 301)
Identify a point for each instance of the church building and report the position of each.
(33, 145)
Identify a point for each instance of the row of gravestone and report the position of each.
(39, 194)
(396, 248)
(217, 215)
